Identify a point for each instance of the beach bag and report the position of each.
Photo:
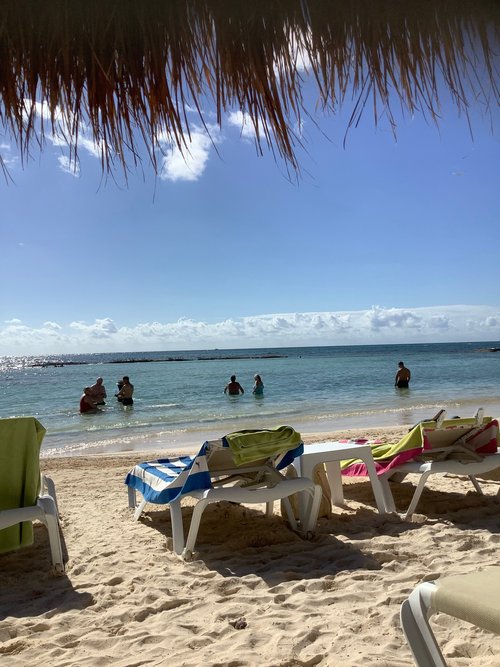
(319, 478)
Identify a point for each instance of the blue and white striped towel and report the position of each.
(165, 480)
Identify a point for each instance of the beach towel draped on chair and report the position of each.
(165, 480)
(420, 443)
(253, 444)
(458, 446)
(25, 494)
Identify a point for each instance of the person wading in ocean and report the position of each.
(233, 388)
(403, 376)
(126, 392)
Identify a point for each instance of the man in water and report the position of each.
(98, 392)
(233, 388)
(126, 392)
(403, 376)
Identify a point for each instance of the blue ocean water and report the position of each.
(179, 398)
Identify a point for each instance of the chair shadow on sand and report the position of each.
(29, 587)
(460, 507)
(236, 540)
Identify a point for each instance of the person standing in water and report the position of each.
(258, 387)
(119, 386)
(233, 388)
(126, 392)
(87, 402)
(403, 376)
(98, 392)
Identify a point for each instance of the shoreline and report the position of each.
(144, 445)
(146, 435)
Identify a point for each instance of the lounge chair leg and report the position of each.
(49, 488)
(417, 494)
(476, 484)
(387, 494)
(177, 526)
(48, 506)
(289, 513)
(309, 526)
(139, 509)
(195, 525)
(131, 498)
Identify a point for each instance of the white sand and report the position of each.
(127, 600)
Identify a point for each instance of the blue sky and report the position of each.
(381, 241)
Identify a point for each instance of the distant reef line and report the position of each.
(58, 364)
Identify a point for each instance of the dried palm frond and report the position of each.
(128, 69)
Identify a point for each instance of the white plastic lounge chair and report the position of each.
(25, 494)
(218, 473)
(466, 447)
(474, 598)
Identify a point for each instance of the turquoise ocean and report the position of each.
(179, 399)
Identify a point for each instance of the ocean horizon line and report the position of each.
(495, 343)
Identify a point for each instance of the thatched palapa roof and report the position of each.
(128, 69)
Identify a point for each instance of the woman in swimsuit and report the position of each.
(258, 388)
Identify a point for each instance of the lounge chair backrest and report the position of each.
(20, 441)
(251, 445)
(220, 458)
(460, 436)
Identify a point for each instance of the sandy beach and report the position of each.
(255, 593)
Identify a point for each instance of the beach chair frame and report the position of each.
(474, 598)
(26, 495)
(456, 457)
(257, 483)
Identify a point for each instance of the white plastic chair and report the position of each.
(451, 450)
(474, 598)
(256, 483)
(25, 495)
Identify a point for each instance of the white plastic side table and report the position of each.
(331, 454)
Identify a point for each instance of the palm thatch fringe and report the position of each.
(128, 69)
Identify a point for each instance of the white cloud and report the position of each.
(60, 135)
(381, 318)
(244, 123)
(104, 328)
(175, 165)
(190, 164)
(68, 166)
(52, 326)
(375, 326)
(6, 153)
